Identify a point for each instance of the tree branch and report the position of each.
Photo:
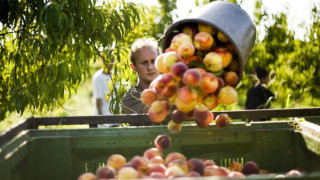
(12, 32)
(98, 52)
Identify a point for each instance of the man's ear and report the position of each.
(133, 67)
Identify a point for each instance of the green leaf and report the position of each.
(35, 46)
(17, 59)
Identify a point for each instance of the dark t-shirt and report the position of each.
(131, 103)
(257, 97)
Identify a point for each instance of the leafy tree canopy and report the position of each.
(46, 47)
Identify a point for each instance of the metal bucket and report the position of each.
(227, 18)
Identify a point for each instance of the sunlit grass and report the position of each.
(80, 104)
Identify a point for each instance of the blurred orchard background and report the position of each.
(50, 50)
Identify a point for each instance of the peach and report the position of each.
(235, 166)
(166, 85)
(174, 127)
(234, 65)
(186, 50)
(213, 61)
(263, 171)
(173, 156)
(196, 164)
(209, 83)
(221, 84)
(193, 174)
(179, 39)
(141, 174)
(105, 172)
(230, 78)
(203, 41)
(173, 171)
(182, 164)
(200, 70)
(230, 48)
(227, 95)
(280, 176)
(162, 142)
(249, 168)
(157, 175)
(225, 55)
(189, 30)
(204, 123)
(209, 170)
(201, 113)
(178, 116)
(178, 69)
(168, 50)
(139, 162)
(158, 111)
(210, 101)
(200, 97)
(206, 28)
(208, 162)
(153, 83)
(152, 152)
(192, 61)
(170, 58)
(156, 160)
(177, 176)
(185, 106)
(148, 96)
(301, 170)
(160, 65)
(191, 78)
(156, 168)
(293, 172)
(219, 171)
(222, 120)
(189, 115)
(187, 95)
(127, 173)
(87, 176)
(236, 174)
(116, 161)
(126, 165)
(222, 37)
(172, 99)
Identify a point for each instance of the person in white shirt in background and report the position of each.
(101, 92)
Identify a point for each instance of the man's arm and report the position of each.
(99, 106)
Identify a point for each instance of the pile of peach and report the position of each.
(198, 70)
(154, 165)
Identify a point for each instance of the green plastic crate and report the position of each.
(64, 154)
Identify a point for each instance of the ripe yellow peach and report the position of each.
(227, 95)
(225, 55)
(213, 61)
(203, 41)
(186, 50)
(206, 28)
(158, 111)
(222, 37)
(148, 96)
(116, 161)
(179, 39)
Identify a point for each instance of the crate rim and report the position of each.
(143, 119)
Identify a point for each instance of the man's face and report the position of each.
(144, 64)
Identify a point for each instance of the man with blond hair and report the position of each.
(143, 54)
